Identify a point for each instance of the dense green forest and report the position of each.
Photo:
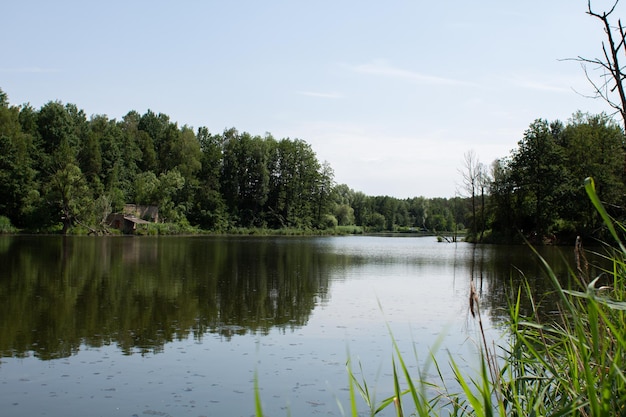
(539, 189)
(61, 171)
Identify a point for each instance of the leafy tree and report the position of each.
(344, 215)
(90, 153)
(539, 188)
(377, 222)
(441, 215)
(171, 207)
(57, 133)
(503, 199)
(68, 192)
(147, 188)
(537, 167)
(593, 147)
(324, 189)
(296, 184)
(17, 172)
(209, 210)
(362, 205)
(245, 177)
(418, 211)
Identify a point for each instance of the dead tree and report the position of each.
(470, 175)
(609, 85)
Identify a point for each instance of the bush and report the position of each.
(6, 226)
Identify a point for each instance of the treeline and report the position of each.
(538, 190)
(60, 169)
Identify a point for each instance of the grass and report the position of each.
(573, 364)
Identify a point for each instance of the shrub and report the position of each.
(6, 226)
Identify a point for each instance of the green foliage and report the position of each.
(538, 191)
(344, 214)
(6, 226)
(57, 169)
(67, 191)
(329, 221)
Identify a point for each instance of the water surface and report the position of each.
(180, 326)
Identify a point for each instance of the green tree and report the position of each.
(146, 188)
(209, 209)
(344, 215)
(90, 153)
(325, 184)
(245, 177)
(538, 168)
(171, 206)
(68, 192)
(58, 135)
(503, 199)
(418, 211)
(18, 190)
(593, 147)
(362, 205)
(295, 184)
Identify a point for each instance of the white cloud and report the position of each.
(383, 68)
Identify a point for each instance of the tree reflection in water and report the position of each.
(57, 293)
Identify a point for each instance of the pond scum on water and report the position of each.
(573, 364)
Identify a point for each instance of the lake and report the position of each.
(182, 326)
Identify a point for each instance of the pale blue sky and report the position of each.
(391, 94)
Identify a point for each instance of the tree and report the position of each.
(56, 129)
(362, 205)
(245, 177)
(209, 210)
(593, 147)
(538, 167)
(503, 198)
(90, 153)
(610, 87)
(418, 211)
(483, 186)
(471, 176)
(17, 173)
(344, 215)
(67, 190)
(171, 207)
(324, 184)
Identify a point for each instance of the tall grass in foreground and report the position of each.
(571, 365)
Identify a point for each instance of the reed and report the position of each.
(573, 364)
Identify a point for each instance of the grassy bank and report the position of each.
(571, 363)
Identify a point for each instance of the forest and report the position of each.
(61, 171)
(64, 172)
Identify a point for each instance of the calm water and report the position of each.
(180, 326)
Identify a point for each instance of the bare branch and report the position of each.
(613, 73)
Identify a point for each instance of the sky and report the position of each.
(391, 94)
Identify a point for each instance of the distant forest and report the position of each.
(61, 171)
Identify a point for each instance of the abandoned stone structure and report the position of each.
(133, 215)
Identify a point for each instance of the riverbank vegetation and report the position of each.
(63, 172)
